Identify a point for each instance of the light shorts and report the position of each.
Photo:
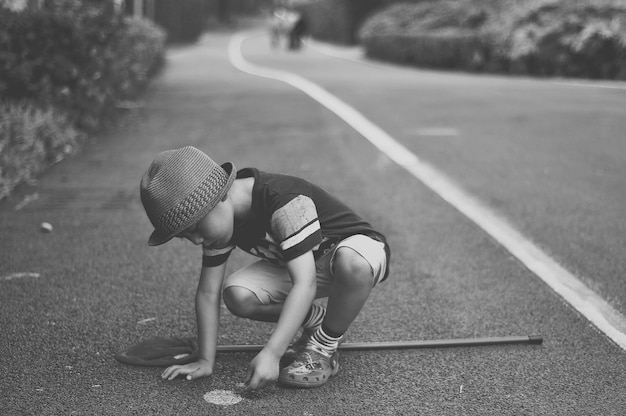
(271, 283)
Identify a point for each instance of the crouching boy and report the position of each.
(309, 244)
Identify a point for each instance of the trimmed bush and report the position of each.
(441, 34)
(329, 20)
(32, 139)
(140, 54)
(80, 59)
(339, 20)
(425, 18)
(576, 38)
(183, 20)
(77, 60)
(58, 60)
(442, 50)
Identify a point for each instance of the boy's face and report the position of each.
(215, 229)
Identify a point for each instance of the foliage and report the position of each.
(139, 55)
(569, 40)
(426, 17)
(452, 49)
(339, 20)
(63, 71)
(442, 34)
(580, 38)
(80, 58)
(58, 60)
(328, 20)
(183, 20)
(32, 138)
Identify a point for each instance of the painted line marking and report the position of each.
(27, 200)
(577, 84)
(597, 310)
(354, 54)
(20, 275)
(437, 132)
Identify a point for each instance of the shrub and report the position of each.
(329, 20)
(569, 40)
(183, 20)
(58, 60)
(76, 60)
(427, 17)
(464, 50)
(32, 138)
(443, 34)
(581, 38)
(79, 58)
(139, 48)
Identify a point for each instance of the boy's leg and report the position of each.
(357, 264)
(352, 285)
(258, 292)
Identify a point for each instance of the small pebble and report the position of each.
(45, 227)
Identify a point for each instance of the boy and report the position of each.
(310, 244)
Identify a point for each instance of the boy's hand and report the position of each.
(197, 369)
(263, 370)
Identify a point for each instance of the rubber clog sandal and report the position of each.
(310, 369)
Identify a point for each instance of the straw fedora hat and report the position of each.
(179, 188)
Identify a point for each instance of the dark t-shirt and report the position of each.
(290, 216)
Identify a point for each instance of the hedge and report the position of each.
(30, 140)
(183, 20)
(339, 20)
(63, 72)
(572, 40)
(442, 50)
(82, 66)
(575, 38)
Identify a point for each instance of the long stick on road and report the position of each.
(396, 345)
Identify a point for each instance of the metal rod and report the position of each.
(396, 345)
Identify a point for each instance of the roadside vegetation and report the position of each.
(65, 72)
(564, 38)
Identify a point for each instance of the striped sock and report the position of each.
(315, 316)
(323, 342)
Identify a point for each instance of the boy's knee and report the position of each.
(240, 301)
(350, 267)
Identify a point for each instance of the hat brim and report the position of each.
(157, 238)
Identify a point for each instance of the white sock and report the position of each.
(324, 342)
(315, 316)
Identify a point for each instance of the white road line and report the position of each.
(437, 132)
(598, 84)
(565, 284)
(20, 275)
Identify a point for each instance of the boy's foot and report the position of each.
(296, 348)
(311, 323)
(311, 368)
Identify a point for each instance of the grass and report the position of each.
(32, 139)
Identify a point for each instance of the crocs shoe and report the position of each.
(297, 347)
(311, 368)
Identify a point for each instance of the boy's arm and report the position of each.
(264, 367)
(208, 298)
(297, 304)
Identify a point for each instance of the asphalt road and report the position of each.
(548, 156)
